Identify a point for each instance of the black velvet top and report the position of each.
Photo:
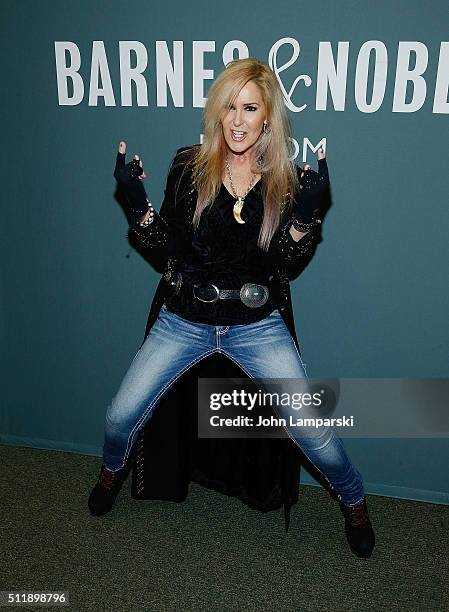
(225, 253)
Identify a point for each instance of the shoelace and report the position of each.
(358, 515)
(106, 478)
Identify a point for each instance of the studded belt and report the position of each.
(251, 294)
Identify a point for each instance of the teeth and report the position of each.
(238, 135)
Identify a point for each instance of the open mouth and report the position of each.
(237, 135)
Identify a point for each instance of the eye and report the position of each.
(249, 108)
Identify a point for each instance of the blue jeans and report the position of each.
(264, 349)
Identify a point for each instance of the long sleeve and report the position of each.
(165, 237)
(292, 255)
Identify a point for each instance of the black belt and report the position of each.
(251, 294)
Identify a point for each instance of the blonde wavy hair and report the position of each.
(279, 178)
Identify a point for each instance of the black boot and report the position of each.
(102, 496)
(359, 531)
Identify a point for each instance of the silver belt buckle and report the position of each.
(214, 299)
(253, 295)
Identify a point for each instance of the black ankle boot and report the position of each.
(104, 493)
(359, 531)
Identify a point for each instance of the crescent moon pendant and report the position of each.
(237, 209)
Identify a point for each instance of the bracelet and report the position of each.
(150, 218)
(305, 227)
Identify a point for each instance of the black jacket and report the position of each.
(263, 473)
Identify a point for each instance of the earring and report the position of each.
(266, 129)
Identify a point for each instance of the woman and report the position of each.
(256, 222)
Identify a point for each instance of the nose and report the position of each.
(237, 118)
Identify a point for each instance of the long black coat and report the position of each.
(262, 473)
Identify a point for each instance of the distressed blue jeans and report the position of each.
(264, 349)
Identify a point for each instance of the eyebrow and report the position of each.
(251, 104)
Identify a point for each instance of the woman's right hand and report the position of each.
(124, 172)
(130, 176)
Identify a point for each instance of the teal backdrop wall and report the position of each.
(74, 296)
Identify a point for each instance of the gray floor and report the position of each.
(211, 552)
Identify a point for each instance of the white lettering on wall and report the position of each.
(99, 70)
(65, 72)
(440, 103)
(306, 145)
(379, 77)
(128, 74)
(332, 76)
(200, 74)
(230, 47)
(404, 75)
(296, 148)
(272, 61)
(171, 73)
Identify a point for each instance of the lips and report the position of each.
(237, 135)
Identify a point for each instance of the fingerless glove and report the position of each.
(314, 187)
(127, 176)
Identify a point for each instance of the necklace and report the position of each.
(240, 200)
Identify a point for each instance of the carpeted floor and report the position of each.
(210, 553)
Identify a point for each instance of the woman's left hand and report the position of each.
(320, 154)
